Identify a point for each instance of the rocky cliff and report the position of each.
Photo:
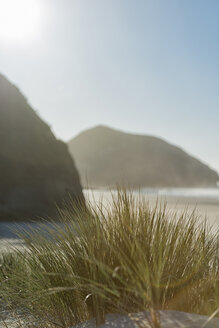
(107, 157)
(36, 169)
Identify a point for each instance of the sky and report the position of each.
(142, 66)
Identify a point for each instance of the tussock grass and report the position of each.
(122, 258)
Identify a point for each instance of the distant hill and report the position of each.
(107, 157)
(36, 169)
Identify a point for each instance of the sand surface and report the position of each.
(204, 206)
(169, 319)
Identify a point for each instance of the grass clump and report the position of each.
(122, 258)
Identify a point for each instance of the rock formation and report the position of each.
(107, 157)
(36, 169)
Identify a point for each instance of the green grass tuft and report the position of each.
(122, 258)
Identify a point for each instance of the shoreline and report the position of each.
(204, 206)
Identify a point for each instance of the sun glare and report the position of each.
(19, 20)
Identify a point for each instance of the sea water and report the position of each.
(199, 193)
(207, 197)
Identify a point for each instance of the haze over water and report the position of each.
(205, 201)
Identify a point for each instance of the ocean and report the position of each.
(205, 200)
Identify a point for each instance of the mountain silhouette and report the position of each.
(107, 157)
(36, 169)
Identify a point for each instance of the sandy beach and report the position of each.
(205, 207)
(169, 319)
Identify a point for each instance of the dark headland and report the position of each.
(36, 169)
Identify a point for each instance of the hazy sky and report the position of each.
(144, 66)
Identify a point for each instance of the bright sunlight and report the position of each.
(19, 20)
